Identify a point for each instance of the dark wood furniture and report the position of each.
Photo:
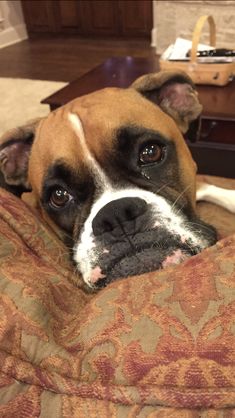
(122, 18)
(215, 150)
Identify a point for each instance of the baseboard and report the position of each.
(13, 35)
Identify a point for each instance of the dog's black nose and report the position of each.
(119, 216)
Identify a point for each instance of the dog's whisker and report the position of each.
(179, 196)
(162, 187)
(199, 226)
(180, 208)
(155, 183)
(66, 235)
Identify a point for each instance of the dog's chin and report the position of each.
(122, 261)
(144, 261)
(141, 253)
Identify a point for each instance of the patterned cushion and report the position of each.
(156, 345)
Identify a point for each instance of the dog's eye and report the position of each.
(151, 153)
(59, 198)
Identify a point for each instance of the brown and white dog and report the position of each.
(112, 170)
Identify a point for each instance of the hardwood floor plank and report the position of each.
(65, 58)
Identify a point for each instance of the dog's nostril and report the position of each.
(135, 210)
(107, 226)
(116, 213)
(128, 214)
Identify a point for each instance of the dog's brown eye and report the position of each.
(59, 198)
(151, 153)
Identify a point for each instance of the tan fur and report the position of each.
(102, 113)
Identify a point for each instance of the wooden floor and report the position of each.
(65, 59)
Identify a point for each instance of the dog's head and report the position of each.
(112, 170)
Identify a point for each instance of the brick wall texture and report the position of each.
(178, 18)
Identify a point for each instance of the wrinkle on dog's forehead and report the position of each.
(105, 111)
(108, 109)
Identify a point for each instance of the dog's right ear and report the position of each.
(15, 146)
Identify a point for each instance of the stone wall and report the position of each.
(178, 18)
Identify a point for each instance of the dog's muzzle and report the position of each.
(133, 235)
(131, 247)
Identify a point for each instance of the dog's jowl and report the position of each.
(112, 170)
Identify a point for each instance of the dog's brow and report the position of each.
(61, 171)
(131, 134)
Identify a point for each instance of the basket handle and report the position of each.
(197, 33)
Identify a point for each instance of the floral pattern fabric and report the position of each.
(156, 345)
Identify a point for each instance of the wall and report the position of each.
(12, 26)
(178, 18)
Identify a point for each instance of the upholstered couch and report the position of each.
(157, 345)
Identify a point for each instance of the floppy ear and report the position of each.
(175, 93)
(15, 146)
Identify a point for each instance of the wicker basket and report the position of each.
(202, 73)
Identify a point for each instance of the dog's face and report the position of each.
(112, 170)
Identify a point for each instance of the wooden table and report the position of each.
(214, 152)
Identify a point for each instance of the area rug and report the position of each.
(20, 100)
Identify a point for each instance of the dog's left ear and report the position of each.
(15, 146)
(175, 93)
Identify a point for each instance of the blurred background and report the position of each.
(62, 39)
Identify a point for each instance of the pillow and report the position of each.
(156, 345)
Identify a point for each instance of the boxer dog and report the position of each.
(112, 170)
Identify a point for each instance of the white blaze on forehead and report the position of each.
(94, 166)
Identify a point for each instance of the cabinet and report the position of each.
(119, 18)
